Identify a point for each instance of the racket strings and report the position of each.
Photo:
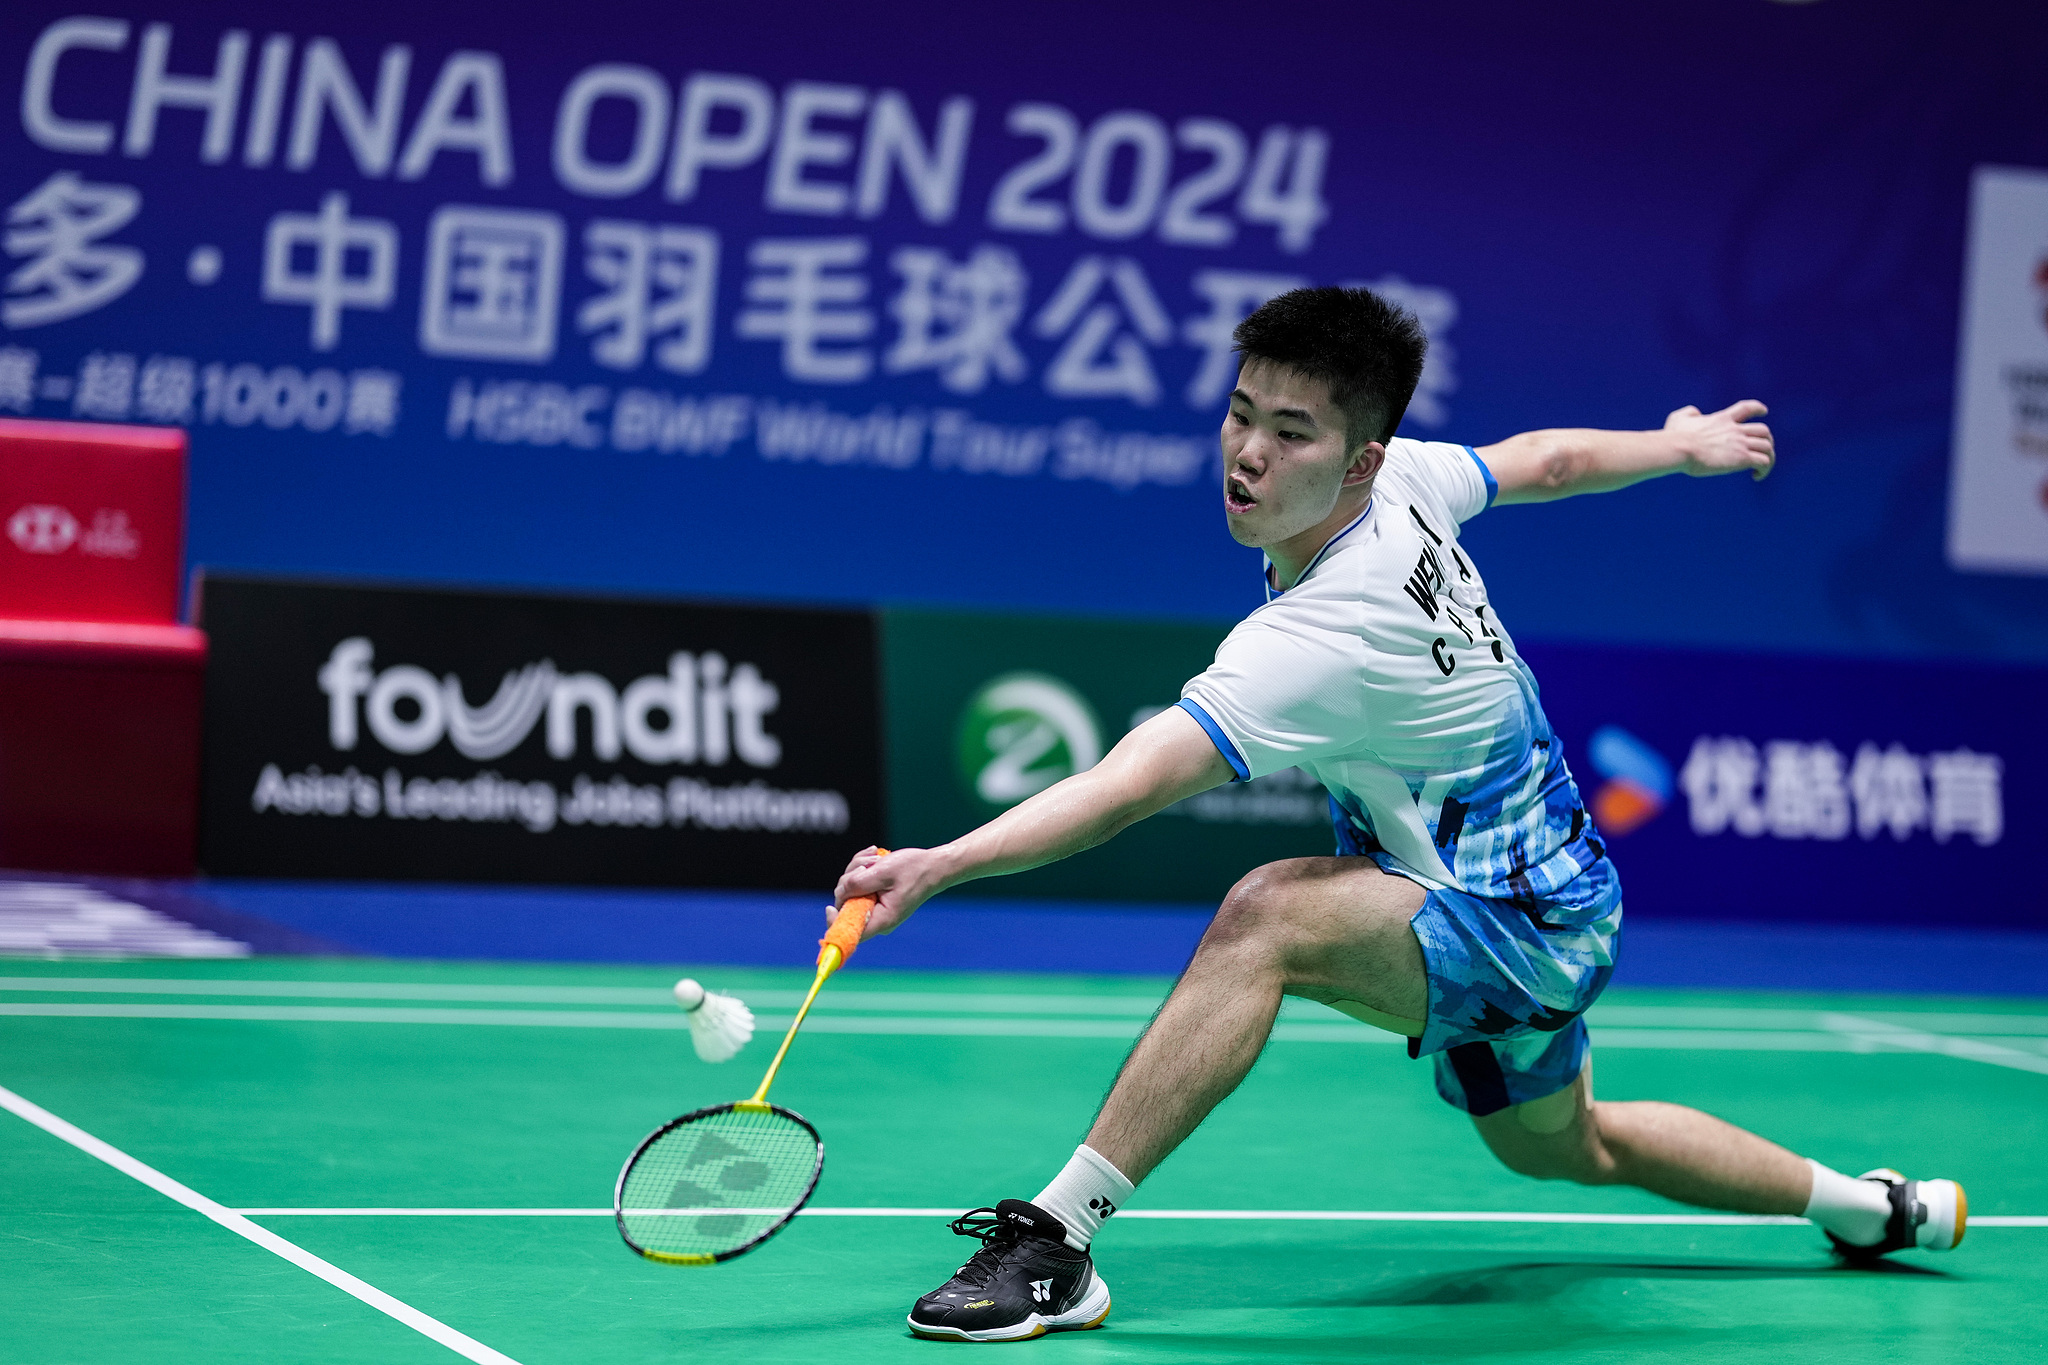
(717, 1183)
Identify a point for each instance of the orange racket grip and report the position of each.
(846, 930)
(844, 935)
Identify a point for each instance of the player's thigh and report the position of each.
(1556, 1137)
(1339, 928)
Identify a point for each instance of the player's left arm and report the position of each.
(1542, 466)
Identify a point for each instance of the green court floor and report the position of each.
(280, 1086)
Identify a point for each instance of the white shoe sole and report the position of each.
(1089, 1312)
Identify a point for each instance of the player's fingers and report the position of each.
(858, 881)
(1744, 410)
(887, 913)
(871, 878)
(861, 862)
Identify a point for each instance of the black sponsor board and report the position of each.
(379, 732)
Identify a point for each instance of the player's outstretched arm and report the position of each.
(1542, 466)
(1167, 758)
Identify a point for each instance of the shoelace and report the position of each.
(996, 1237)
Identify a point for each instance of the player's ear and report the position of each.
(1364, 464)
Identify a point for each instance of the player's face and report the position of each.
(1284, 459)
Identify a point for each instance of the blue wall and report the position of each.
(1615, 210)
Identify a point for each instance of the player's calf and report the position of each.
(1695, 1158)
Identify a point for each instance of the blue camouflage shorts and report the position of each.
(1508, 981)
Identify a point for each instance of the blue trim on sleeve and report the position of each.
(1219, 739)
(1492, 484)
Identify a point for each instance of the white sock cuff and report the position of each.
(1088, 1189)
(1108, 1171)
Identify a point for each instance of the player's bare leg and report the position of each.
(1668, 1149)
(1326, 928)
(1698, 1159)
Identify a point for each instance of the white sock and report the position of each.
(1854, 1210)
(1086, 1191)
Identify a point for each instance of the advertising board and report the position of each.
(388, 733)
(984, 711)
(1998, 479)
(1808, 790)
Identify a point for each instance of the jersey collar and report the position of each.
(1273, 589)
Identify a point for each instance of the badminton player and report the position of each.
(1471, 905)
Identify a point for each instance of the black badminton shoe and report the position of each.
(1928, 1214)
(1025, 1281)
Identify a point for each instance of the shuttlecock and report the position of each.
(719, 1024)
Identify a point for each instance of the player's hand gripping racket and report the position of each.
(714, 1184)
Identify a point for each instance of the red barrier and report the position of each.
(99, 685)
(94, 521)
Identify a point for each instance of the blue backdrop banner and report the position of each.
(697, 299)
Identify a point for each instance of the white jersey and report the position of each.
(1384, 674)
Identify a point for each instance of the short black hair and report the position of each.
(1369, 352)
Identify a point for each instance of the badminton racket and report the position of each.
(718, 1182)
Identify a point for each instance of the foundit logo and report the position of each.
(1638, 781)
(702, 710)
(1021, 733)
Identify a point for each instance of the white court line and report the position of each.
(1913, 1040)
(926, 1001)
(1712, 1019)
(925, 1026)
(1289, 1215)
(628, 1019)
(1861, 1039)
(241, 1226)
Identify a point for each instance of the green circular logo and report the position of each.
(1021, 733)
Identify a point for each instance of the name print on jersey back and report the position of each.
(1428, 583)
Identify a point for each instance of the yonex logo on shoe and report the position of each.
(1041, 1291)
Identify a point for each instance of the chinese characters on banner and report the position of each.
(694, 263)
(1793, 790)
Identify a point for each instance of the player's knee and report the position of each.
(1552, 1160)
(1254, 914)
(1575, 1154)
